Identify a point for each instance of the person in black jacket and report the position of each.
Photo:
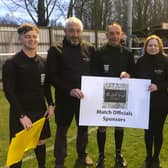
(67, 61)
(154, 65)
(25, 89)
(112, 60)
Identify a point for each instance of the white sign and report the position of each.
(115, 102)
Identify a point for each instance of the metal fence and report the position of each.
(9, 43)
(48, 36)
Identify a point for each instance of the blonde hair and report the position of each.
(159, 40)
(24, 28)
(75, 20)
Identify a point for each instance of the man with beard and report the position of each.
(66, 62)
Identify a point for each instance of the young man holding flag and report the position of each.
(25, 88)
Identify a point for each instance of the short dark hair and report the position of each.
(24, 28)
(114, 24)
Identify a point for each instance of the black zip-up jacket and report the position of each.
(111, 61)
(23, 84)
(67, 63)
(155, 67)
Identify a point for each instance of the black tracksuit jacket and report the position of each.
(155, 67)
(23, 84)
(117, 58)
(65, 66)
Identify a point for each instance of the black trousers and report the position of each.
(66, 108)
(154, 135)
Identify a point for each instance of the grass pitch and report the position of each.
(133, 146)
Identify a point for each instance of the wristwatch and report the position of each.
(22, 115)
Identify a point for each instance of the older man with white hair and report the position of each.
(66, 62)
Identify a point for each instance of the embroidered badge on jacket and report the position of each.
(158, 71)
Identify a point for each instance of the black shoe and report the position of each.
(147, 163)
(100, 163)
(120, 162)
(87, 161)
(155, 163)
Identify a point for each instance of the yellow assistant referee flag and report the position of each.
(23, 141)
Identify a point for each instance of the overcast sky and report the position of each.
(16, 14)
(3, 8)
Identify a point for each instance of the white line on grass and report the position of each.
(30, 157)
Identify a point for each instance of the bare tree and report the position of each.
(145, 12)
(90, 10)
(40, 11)
(71, 7)
(107, 11)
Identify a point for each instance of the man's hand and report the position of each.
(49, 112)
(76, 93)
(26, 122)
(153, 87)
(124, 75)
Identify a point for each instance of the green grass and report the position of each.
(133, 146)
